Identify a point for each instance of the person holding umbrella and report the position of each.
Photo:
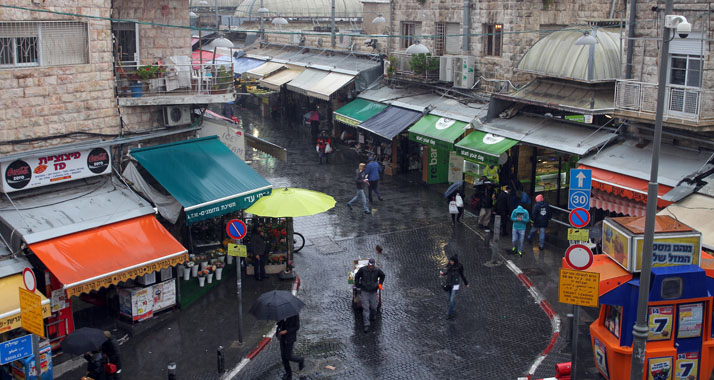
(87, 341)
(287, 333)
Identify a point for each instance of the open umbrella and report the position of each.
(454, 186)
(292, 202)
(276, 305)
(83, 340)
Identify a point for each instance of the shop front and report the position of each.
(212, 186)
(382, 137)
(437, 136)
(351, 115)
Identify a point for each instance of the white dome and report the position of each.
(301, 8)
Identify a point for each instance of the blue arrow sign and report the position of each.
(581, 179)
(15, 349)
(578, 199)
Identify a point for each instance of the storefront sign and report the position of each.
(15, 349)
(579, 288)
(164, 295)
(231, 137)
(660, 322)
(240, 202)
(39, 171)
(690, 321)
(127, 275)
(659, 368)
(58, 300)
(237, 250)
(456, 168)
(669, 252)
(687, 366)
(588, 119)
(477, 157)
(437, 166)
(600, 357)
(31, 312)
(346, 120)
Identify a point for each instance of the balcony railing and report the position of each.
(405, 71)
(688, 104)
(174, 81)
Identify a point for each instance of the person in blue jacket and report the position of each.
(519, 217)
(373, 172)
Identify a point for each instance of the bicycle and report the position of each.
(298, 241)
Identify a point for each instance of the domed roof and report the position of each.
(557, 55)
(301, 8)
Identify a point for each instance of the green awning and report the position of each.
(206, 177)
(436, 131)
(482, 147)
(357, 111)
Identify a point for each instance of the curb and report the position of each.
(261, 345)
(552, 315)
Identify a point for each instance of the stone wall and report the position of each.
(40, 102)
(287, 36)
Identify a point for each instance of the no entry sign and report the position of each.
(579, 218)
(579, 256)
(236, 229)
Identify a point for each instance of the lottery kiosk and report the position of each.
(681, 341)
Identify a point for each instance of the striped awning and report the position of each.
(609, 202)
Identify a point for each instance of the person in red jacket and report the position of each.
(324, 146)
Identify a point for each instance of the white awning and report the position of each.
(328, 85)
(277, 80)
(306, 80)
(695, 211)
(263, 70)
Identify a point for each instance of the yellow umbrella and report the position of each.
(292, 202)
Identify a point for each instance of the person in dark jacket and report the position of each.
(486, 206)
(373, 170)
(287, 334)
(368, 280)
(541, 216)
(261, 250)
(324, 146)
(110, 349)
(95, 365)
(454, 273)
(503, 209)
(360, 179)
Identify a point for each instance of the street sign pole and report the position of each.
(239, 283)
(574, 353)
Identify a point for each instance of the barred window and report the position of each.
(51, 43)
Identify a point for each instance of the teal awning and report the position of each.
(358, 111)
(206, 177)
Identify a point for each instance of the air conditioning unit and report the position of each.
(177, 115)
(464, 71)
(446, 69)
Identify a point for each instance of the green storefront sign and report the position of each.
(436, 131)
(484, 148)
(240, 202)
(437, 166)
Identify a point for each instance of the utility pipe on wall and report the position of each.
(467, 28)
(332, 37)
(630, 38)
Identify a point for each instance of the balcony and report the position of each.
(685, 107)
(152, 85)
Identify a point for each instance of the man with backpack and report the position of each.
(541, 216)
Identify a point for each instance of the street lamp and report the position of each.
(589, 40)
(279, 21)
(262, 11)
(641, 328)
(417, 48)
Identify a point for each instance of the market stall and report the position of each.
(437, 134)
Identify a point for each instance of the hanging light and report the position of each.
(279, 21)
(220, 42)
(263, 10)
(192, 14)
(379, 19)
(586, 39)
(417, 48)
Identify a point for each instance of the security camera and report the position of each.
(679, 23)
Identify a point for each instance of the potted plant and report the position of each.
(219, 270)
(209, 273)
(150, 75)
(188, 269)
(201, 278)
(421, 64)
(224, 80)
(203, 259)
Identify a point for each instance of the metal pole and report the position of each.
(200, 67)
(218, 22)
(262, 32)
(496, 238)
(172, 370)
(574, 354)
(389, 38)
(641, 328)
(221, 360)
(332, 38)
(239, 283)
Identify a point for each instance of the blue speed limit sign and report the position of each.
(579, 199)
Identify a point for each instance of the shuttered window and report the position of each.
(43, 44)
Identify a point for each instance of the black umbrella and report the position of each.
(276, 305)
(454, 186)
(83, 340)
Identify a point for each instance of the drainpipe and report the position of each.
(332, 37)
(630, 38)
(262, 32)
(467, 27)
(389, 39)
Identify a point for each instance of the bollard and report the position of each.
(221, 360)
(569, 327)
(172, 370)
(496, 236)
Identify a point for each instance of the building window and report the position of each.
(410, 31)
(493, 39)
(685, 70)
(43, 44)
(447, 40)
(126, 42)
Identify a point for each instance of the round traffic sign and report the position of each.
(580, 198)
(236, 229)
(579, 256)
(28, 277)
(579, 217)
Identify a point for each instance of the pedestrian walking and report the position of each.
(486, 203)
(459, 206)
(360, 179)
(454, 274)
(519, 218)
(453, 209)
(287, 334)
(314, 120)
(373, 172)
(368, 280)
(324, 146)
(95, 365)
(541, 216)
(110, 349)
(503, 209)
(261, 250)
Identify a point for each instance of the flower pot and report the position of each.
(194, 270)
(187, 273)
(219, 272)
(204, 264)
(201, 281)
(210, 277)
(229, 260)
(222, 258)
(137, 90)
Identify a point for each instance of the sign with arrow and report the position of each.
(580, 185)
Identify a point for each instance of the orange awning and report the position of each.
(624, 186)
(107, 255)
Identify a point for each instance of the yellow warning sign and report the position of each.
(578, 234)
(31, 312)
(238, 250)
(579, 287)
